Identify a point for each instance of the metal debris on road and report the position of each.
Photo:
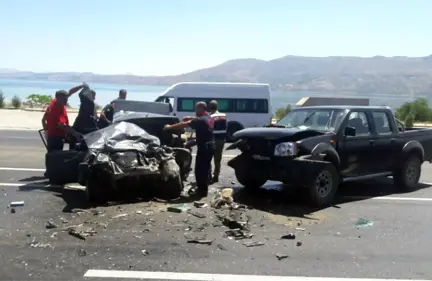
(238, 234)
(119, 216)
(16, 204)
(54, 235)
(40, 245)
(144, 252)
(82, 253)
(196, 214)
(200, 204)
(362, 222)
(290, 236)
(222, 198)
(234, 219)
(81, 232)
(200, 241)
(300, 228)
(299, 243)
(50, 225)
(253, 244)
(221, 247)
(281, 256)
(13, 211)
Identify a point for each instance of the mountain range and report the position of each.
(382, 75)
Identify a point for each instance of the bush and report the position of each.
(16, 102)
(409, 121)
(418, 109)
(39, 100)
(2, 100)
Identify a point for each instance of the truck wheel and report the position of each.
(407, 177)
(170, 189)
(322, 190)
(250, 177)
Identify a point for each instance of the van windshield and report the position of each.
(160, 99)
(313, 119)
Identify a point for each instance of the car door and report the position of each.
(383, 155)
(355, 152)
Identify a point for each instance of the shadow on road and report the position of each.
(285, 200)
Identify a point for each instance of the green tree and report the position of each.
(39, 100)
(16, 101)
(419, 109)
(2, 99)
(409, 121)
(281, 112)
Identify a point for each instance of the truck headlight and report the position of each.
(285, 149)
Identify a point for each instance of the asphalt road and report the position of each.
(395, 243)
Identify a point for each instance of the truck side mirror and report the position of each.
(350, 131)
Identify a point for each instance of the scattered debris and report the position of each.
(299, 243)
(82, 253)
(290, 236)
(50, 225)
(200, 204)
(96, 212)
(63, 220)
(81, 232)
(16, 204)
(224, 197)
(144, 252)
(78, 211)
(221, 247)
(281, 256)
(234, 219)
(362, 222)
(178, 208)
(200, 241)
(300, 228)
(13, 211)
(253, 244)
(54, 235)
(40, 245)
(138, 212)
(119, 216)
(196, 214)
(238, 234)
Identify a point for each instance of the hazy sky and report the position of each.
(175, 36)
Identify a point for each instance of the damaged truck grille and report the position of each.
(260, 147)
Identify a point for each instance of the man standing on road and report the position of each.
(220, 131)
(55, 120)
(107, 114)
(203, 126)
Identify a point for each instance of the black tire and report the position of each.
(232, 128)
(170, 189)
(251, 176)
(322, 189)
(94, 190)
(407, 177)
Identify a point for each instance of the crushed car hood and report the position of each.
(269, 133)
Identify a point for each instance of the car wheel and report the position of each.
(407, 177)
(169, 190)
(322, 189)
(251, 177)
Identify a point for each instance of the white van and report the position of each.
(245, 104)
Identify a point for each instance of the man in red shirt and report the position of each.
(55, 120)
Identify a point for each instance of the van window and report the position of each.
(227, 105)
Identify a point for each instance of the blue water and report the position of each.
(107, 92)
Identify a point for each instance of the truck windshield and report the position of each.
(313, 119)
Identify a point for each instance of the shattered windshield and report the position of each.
(313, 119)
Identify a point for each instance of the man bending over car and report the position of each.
(107, 114)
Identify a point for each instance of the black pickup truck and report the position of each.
(318, 148)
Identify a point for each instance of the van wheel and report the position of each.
(323, 187)
(407, 177)
(251, 177)
(232, 128)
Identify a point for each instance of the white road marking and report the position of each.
(213, 277)
(22, 138)
(30, 184)
(21, 169)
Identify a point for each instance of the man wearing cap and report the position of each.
(203, 126)
(55, 120)
(220, 131)
(107, 114)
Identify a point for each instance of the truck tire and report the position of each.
(322, 189)
(407, 177)
(250, 176)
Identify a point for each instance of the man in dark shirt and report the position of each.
(203, 126)
(86, 121)
(107, 114)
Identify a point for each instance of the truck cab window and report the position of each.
(358, 120)
(381, 121)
